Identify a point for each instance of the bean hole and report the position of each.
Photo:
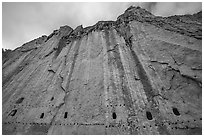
(52, 99)
(176, 112)
(42, 115)
(13, 112)
(65, 115)
(20, 100)
(114, 115)
(149, 115)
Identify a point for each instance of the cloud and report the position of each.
(22, 22)
(176, 8)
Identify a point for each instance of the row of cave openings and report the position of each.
(114, 115)
(149, 114)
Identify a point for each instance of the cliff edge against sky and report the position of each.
(140, 74)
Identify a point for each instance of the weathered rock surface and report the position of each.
(141, 74)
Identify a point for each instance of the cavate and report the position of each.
(140, 74)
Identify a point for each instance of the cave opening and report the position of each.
(175, 111)
(114, 115)
(20, 100)
(149, 115)
(42, 115)
(52, 99)
(13, 112)
(65, 114)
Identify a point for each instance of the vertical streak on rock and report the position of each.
(121, 99)
(78, 43)
(137, 93)
(136, 88)
(68, 64)
(126, 89)
(145, 91)
(119, 68)
(88, 59)
(113, 78)
(66, 92)
(110, 60)
(107, 75)
(114, 71)
(138, 56)
(64, 54)
(143, 77)
(139, 34)
(73, 64)
(109, 57)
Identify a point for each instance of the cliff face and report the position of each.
(140, 74)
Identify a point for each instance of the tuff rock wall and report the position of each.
(140, 74)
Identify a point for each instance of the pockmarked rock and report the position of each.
(140, 74)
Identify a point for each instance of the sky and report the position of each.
(23, 22)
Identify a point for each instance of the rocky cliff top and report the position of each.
(189, 25)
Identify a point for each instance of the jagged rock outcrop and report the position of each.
(5, 54)
(140, 74)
